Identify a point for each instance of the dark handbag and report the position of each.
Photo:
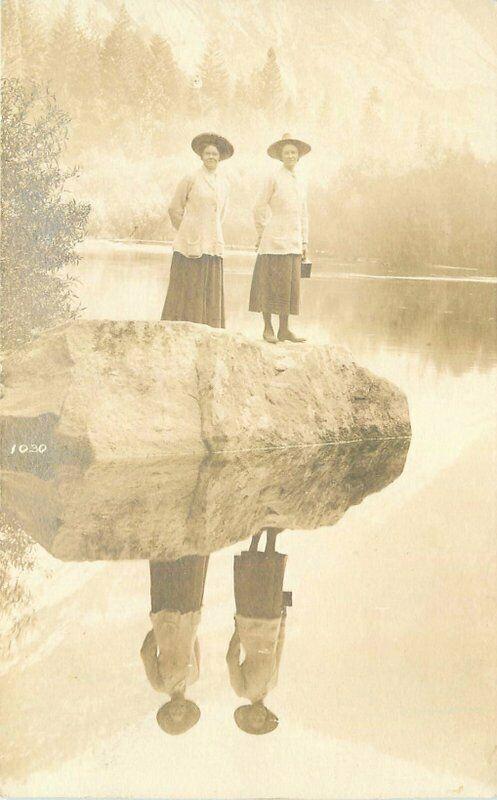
(305, 269)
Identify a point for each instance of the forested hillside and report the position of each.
(395, 101)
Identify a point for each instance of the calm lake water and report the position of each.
(387, 681)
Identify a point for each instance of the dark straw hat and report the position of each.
(275, 149)
(171, 724)
(200, 142)
(244, 719)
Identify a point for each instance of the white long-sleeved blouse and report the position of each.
(280, 214)
(170, 652)
(262, 640)
(197, 212)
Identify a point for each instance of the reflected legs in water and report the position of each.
(271, 534)
(259, 628)
(178, 585)
(170, 651)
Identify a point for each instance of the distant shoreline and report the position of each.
(344, 269)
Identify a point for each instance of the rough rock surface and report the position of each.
(137, 390)
(166, 509)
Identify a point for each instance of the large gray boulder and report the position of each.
(146, 390)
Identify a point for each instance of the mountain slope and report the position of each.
(437, 59)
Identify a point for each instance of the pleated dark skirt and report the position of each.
(259, 584)
(178, 585)
(276, 284)
(195, 292)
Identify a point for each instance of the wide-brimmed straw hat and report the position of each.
(170, 724)
(244, 719)
(200, 142)
(275, 149)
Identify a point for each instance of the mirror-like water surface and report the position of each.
(386, 671)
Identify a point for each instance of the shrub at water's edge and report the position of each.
(41, 223)
(16, 561)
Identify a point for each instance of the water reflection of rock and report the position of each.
(166, 509)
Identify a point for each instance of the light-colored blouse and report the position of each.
(170, 652)
(280, 214)
(197, 211)
(262, 640)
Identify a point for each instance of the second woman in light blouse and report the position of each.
(282, 226)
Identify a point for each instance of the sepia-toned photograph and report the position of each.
(248, 522)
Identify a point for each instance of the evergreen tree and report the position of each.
(11, 41)
(254, 89)
(272, 95)
(118, 66)
(87, 80)
(32, 39)
(168, 85)
(62, 61)
(142, 85)
(215, 77)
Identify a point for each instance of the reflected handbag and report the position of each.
(305, 269)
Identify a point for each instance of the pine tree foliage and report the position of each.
(32, 40)
(215, 76)
(272, 96)
(167, 83)
(62, 58)
(133, 110)
(12, 60)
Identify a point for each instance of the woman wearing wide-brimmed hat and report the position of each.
(282, 226)
(260, 629)
(170, 651)
(195, 292)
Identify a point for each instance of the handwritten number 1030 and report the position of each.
(28, 448)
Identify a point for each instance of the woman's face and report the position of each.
(289, 155)
(210, 157)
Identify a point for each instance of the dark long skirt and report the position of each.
(259, 584)
(195, 292)
(276, 284)
(178, 585)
